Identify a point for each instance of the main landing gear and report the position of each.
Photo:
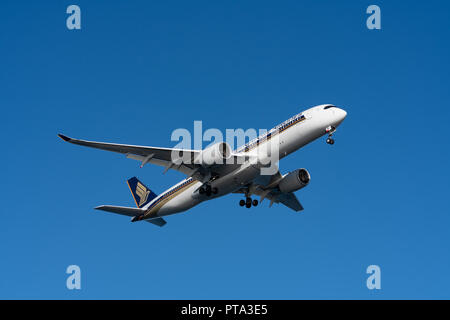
(330, 130)
(208, 190)
(248, 202)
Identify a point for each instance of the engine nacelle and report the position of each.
(215, 154)
(294, 181)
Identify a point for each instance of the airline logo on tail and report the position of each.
(142, 193)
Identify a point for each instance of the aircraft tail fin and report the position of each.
(141, 194)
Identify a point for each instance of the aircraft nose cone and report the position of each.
(341, 114)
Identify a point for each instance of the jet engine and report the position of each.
(215, 154)
(294, 181)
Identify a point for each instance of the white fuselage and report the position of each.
(291, 135)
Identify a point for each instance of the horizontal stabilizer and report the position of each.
(131, 212)
(158, 221)
(126, 211)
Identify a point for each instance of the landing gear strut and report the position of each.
(330, 130)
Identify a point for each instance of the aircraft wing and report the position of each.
(288, 199)
(158, 156)
(162, 157)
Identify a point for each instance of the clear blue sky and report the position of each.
(138, 70)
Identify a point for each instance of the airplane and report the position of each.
(226, 171)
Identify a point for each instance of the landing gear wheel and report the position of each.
(242, 203)
(255, 203)
(248, 202)
(330, 141)
(215, 190)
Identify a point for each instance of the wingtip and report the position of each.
(101, 208)
(65, 138)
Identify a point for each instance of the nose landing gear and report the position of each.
(330, 130)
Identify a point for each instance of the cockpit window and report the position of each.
(328, 107)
